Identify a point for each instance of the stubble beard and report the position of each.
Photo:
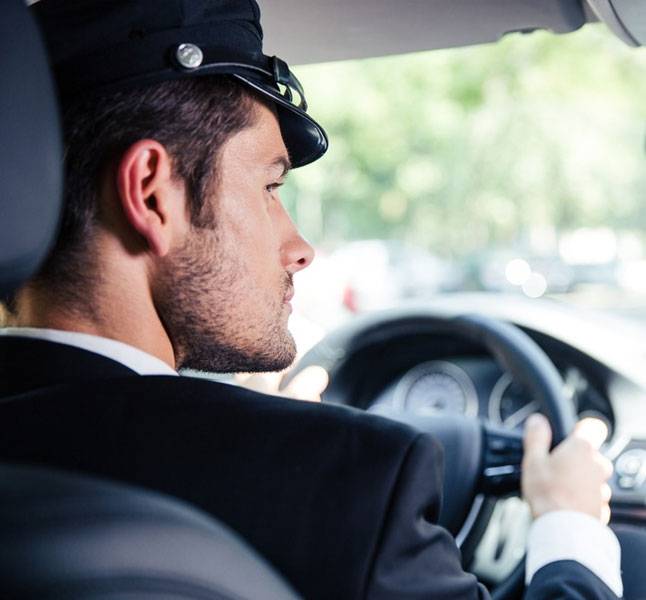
(198, 298)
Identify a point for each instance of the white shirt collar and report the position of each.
(139, 361)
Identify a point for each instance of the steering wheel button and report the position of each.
(632, 466)
(627, 483)
(497, 444)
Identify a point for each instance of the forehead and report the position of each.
(258, 146)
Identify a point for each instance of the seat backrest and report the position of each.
(66, 536)
(71, 536)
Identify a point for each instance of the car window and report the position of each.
(515, 167)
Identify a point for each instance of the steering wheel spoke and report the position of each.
(501, 461)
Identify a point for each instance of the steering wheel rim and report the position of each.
(512, 348)
(527, 363)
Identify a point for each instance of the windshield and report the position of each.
(515, 167)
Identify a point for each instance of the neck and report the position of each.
(112, 309)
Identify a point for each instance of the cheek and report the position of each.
(258, 230)
(251, 243)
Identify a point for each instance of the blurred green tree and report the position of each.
(464, 149)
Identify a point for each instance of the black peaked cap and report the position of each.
(110, 45)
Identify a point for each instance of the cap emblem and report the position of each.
(189, 56)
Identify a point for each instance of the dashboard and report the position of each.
(477, 387)
(430, 373)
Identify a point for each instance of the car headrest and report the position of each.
(30, 148)
(65, 536)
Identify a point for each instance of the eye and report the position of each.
(272, 187)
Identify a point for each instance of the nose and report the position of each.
(296, 252)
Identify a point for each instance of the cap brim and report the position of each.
(305, 139)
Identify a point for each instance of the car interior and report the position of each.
(75, 536)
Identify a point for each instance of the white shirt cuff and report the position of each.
(571, 535)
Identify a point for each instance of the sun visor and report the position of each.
(338, 29)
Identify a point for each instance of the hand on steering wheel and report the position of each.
(573, 477)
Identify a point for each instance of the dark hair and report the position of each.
(192, 118)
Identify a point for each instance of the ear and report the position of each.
(150, 199)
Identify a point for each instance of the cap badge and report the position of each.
(189, 56)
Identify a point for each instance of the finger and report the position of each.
(594, 431)
(605, 465)
(309, 384)
(606, 493)
(537, 437)
(605, 514)
(266, 383)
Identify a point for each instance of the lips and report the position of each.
(289, 295)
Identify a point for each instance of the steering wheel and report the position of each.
(480, 459)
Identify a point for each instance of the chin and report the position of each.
(215, 356)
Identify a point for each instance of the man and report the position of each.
(175, 251)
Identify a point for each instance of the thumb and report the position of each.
(595, 431)
(537, 437)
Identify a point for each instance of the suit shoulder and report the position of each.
(191, 404)
(223, 401)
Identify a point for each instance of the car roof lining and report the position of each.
(303, 32)
(315, 31)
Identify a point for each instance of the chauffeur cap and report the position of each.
(111, 45)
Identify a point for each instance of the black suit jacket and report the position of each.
(341, 502)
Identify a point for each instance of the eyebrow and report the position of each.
(284, 162)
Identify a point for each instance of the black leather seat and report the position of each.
(66, 535)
